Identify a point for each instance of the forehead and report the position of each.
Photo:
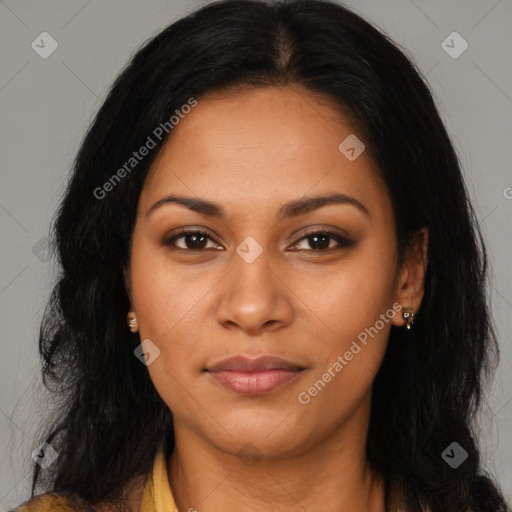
(260, 146)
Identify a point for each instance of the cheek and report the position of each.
(356, 306)
(350, 354)
(168, 308)
(352, 297)
(164, 301)
(164, 294)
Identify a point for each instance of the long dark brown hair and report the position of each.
(110, 421)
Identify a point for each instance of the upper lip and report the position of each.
(247, 364)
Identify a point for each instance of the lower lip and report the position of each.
(254, 383)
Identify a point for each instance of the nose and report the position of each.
(254, 298)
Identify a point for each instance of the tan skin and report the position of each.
(251, 152)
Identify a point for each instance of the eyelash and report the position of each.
(342, 241)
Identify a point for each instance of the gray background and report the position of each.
(46, 105)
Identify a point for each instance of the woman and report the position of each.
(273, 283)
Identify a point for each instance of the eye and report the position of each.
(193, 240)
(320, 241)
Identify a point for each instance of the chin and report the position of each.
(257, 436)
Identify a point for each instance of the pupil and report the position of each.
(194, 237)
(321, 245)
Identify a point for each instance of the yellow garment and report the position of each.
(157, 494)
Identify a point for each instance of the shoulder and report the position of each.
(54, 502)
(65, 501)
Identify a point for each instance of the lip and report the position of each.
(254, 376)
(254, 383)
(248, 364)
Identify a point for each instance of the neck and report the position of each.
(333, 476)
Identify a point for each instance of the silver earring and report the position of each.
(408, 316)
(132, 322)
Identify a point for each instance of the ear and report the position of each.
(411, 276)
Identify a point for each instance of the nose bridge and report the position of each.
(252, 279)
(252, 269)
(253, 295)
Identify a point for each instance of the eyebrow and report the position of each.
(290, 209)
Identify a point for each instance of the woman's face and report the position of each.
(255, 285)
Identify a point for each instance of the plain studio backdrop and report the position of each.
(50, 92)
